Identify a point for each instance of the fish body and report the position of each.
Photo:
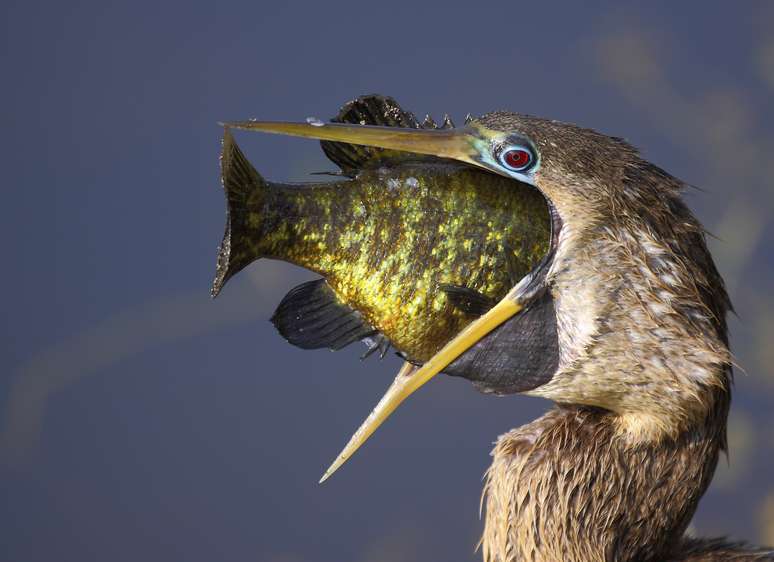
(409, 248)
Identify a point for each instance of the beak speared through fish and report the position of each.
(411, 248)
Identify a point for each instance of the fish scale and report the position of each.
(385, 239)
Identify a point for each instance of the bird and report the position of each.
(622, 326)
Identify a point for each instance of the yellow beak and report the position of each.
(457, 144)
(410, 378)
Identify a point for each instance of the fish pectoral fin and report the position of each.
(377, 110)
(311, 316)
(467, 300)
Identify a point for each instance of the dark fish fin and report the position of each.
(373, 109)
(311, 316)
(467, 300)
(245, 191)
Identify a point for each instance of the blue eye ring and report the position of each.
(516, 158)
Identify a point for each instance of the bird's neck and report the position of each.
(569, 487)
(641, 327)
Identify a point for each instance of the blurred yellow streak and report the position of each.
(766, 519)
(710, 123)
(129, 332)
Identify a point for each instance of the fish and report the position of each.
(409, 248)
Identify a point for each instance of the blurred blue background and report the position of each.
(139, 420)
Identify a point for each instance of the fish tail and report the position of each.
(245, 194)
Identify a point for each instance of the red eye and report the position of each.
(517, 158)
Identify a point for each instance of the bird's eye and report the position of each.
(517, 159)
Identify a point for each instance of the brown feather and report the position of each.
(644, 377)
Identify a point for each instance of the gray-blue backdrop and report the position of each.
(139, 420)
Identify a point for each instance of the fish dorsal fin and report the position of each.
(311, 316)
(373, 109)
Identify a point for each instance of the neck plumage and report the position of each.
(568, 486)
(616, 471)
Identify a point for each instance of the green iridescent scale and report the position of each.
(388, 239)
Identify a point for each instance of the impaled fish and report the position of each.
(410, 248)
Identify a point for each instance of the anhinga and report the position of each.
(622, 325)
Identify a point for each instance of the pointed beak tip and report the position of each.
(331, 469)
(410, 377)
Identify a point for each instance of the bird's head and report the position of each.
(636, 306)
